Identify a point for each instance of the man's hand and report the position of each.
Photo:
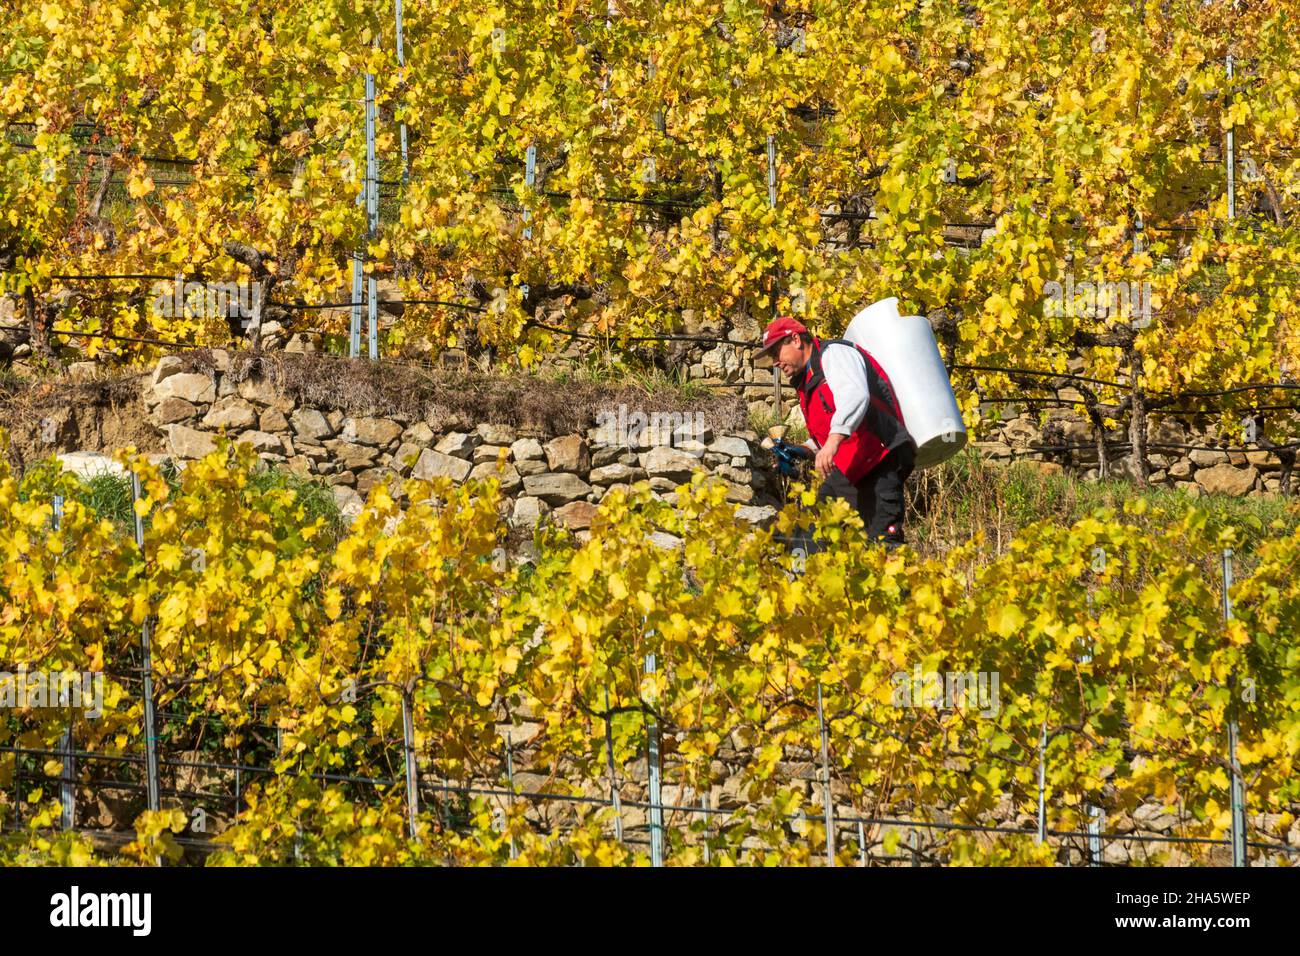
(826, 456)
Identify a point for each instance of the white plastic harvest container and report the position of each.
(905, 348)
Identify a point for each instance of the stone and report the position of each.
(272, 420)
(167, 366)
(995, 450)
(351, 456)
(262, 441)
(186, 442)
(1020, 431)
(616, 472)
(1264, 460)
(732, 447)
(371, 477)
(568, 453)
(509, 477)
(530, 467)
(556, 489)
(1151, 816)
(665, 540)
(495, 434)
(231, 413)
(173, 409)
(761, 515)
(435, 464)
(576, 515)
(1204, 458)
(527, 449)
(528, 511)
(1189, 488)
(488, 453)
(299, 465)
(602, 455)
(262, 391)
(371, 431)
(310, 423)
(350, 503)
(457, 445)
(190, 386)
(721, 360)
(1182, 468)
(739, 476)
(88, 464)
(1227, 480)
(659, 483)
(1046, 467)
(418, 434)
(1166, 431)
(742, 494)
(406, 450)
(664, 461)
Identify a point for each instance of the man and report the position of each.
(864, 450)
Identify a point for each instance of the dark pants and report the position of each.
(878, 495)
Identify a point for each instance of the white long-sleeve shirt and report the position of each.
(846, 377)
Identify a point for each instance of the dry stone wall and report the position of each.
(565, 476)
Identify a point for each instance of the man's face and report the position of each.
(791, 356)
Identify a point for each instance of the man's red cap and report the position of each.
(779, 329)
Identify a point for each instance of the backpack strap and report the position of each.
(883, 399)
(816, 376)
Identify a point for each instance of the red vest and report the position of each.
(882, 428)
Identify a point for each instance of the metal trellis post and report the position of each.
(771, 201)
(614, 800)
(354, 330)
(510, 800)
(146, 670)
(412, 772)
(1231, 151)
(708, 826)
(530, 180)
(654, 773)
(401, 62)
(1041, 835)
(372, 211)
(826, 781)
(67, 786)
(1238, 797)
(1095, 813)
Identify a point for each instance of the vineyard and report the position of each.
(396, 693)
(1093, 203)
(629, 169)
